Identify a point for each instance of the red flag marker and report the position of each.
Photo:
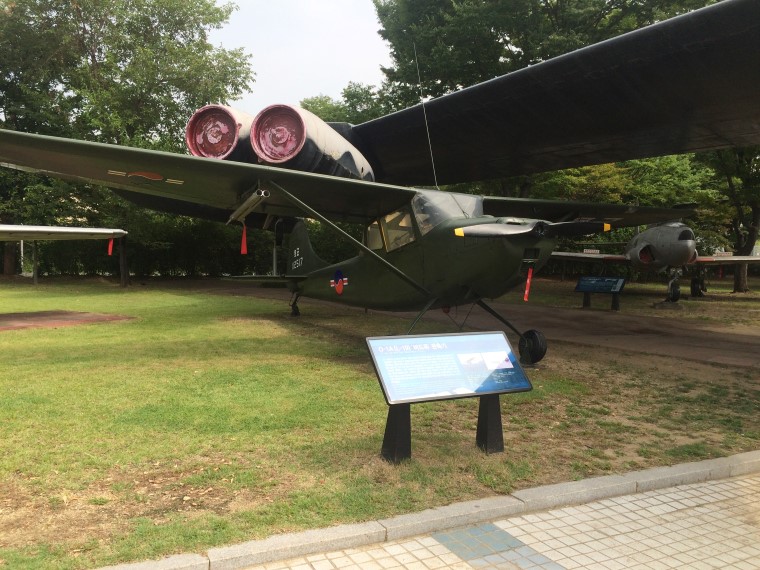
(110, 246)
(527, 284)
(244, 243)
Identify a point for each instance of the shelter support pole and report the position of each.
(123, 268)
(35, 264)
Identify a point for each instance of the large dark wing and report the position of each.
(214, 189)
(617, 215)
(200, 187)
(687, 84)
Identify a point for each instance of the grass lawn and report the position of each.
(208, 419)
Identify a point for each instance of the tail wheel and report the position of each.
(532, 346)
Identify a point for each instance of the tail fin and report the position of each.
(301, 256)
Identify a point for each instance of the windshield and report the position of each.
(431, 208)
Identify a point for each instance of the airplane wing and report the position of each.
(687, 84)
(215, 189)
(617, 215)
(726, 259)
(44, 233)
(590, 257)
(200, 187)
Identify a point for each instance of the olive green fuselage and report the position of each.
(453, 270)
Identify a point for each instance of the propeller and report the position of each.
(539, 228)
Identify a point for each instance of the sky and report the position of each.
(304, 48)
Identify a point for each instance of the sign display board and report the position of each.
(422, 368)
(589, 284)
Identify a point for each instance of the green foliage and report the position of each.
(360, 103)
(738, 173)
(128, 73)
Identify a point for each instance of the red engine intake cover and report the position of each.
(279, 134)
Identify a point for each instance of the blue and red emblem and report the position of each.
(339, 282)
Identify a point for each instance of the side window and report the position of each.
(397, 229)
(374, 237)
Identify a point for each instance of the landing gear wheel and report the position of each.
(532, 346)
(674, 293)
(294, 310)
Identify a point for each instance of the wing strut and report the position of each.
(298, 203)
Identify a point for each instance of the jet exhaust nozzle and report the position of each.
(295, 138)
(218, 131)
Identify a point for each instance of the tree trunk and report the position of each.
(740, 278)
(9, 258)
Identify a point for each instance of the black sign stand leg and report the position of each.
(397, 443)
(490, 434)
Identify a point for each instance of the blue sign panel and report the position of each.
(445, 366)
(600, 285)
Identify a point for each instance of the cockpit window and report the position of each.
(431, 208)
(397, 228)
(374, 237)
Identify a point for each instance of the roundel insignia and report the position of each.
(339, 282)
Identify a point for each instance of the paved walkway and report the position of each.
(704, 525)
(697, 515)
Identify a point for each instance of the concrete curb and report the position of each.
(294, 545)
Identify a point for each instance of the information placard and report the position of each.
(422, 368)
(591, 284)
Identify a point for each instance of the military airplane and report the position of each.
(669, 247)
(658, 90)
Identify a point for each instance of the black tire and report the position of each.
(532, 347)
(674, 293)
(294, 310)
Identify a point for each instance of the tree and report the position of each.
(739, 171)
(125, 72)
(359, 103)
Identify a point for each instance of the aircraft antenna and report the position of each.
(424, 114)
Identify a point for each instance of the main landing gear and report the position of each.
(674, 289)
(532, 345)
(697, 287)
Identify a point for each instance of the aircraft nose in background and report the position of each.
(686, 235)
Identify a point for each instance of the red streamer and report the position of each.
(110, 246)
(244, 243)
(527, 284)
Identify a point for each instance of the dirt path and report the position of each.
(665, 335)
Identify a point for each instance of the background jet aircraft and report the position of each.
(664, 247)
(659, 90)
